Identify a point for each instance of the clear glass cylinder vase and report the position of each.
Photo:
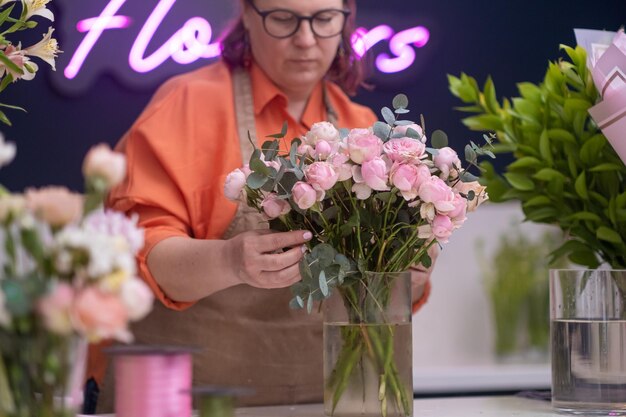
(41, 374)
(368, 347)
(588, 339)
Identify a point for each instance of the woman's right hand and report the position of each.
(267, 259)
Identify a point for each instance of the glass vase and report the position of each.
(41, 374)
(588, 339)
(368, 347)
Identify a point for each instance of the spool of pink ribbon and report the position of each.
(152, 381)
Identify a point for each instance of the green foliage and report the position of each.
(516, 279)
(565, 172)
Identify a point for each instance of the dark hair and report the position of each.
(346, 70)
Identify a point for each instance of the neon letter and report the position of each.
(100, 24)
(400, 45)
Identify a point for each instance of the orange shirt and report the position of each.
(184, 144)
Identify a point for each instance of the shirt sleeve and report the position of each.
(150, 189)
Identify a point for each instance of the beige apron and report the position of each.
(249, 337)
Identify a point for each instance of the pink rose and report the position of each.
(457, 214)
(55, 308)
(303, 195)
(448, 162)
(401, 130)
(321, 131)
(235, 182)
(375, 174)
(322, 150)
(407, 178)
(100, 315)
(340, 163)
(56, 206)
(321, 176)
(363, 145)
(480, 193)
(274, 206)
(442, 228)
(137, 298)
(104, 163)
(404, 150)
(437, 192)
(362, 191)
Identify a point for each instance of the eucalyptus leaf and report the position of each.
(439, 139)
(400, 101)
(388, 115)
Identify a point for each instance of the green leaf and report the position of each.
(483, 122)
(541, 214)
(5, 14)
(529, 91)
(258, 166)
(584, 216)
(581, 186)
(544, 148)
(562, 135)
(323, 284)
(548, 174)
(388, 115)
(607, 166)
(309, 304)
(4, 119)
(520, 182)
(525, 162)
(439, 139)
(590, 150)
(609, 235)
(283, 132)
(401, 101)
(256, 180)
(413, 134)
(490, 96)
(382, 130)
(540, 200)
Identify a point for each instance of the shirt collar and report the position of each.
(264, 91)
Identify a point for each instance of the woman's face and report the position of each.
(296, 63)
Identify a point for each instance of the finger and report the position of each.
(280, 261)
(282, 278)
(274, 241)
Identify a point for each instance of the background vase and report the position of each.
(588, 339)
(41, 374)
(368, 347)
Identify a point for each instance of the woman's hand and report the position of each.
(267, 259)
(420, 278)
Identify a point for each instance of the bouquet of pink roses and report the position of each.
(376, 199)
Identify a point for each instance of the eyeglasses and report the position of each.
(281, 23)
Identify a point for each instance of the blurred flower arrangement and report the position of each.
(67, 267)
(376, 200)
(565, 171)
(15, 61)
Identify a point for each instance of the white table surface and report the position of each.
(488, 406)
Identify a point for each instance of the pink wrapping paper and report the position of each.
(608, 69)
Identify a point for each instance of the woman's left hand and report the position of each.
(420, 278)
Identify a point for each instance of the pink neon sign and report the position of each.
(193, 41)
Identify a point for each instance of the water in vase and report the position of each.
(353, 365)
(589, 366)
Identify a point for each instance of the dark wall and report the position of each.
(512, 41)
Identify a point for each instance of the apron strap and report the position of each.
(244, 112)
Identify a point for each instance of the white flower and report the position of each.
(46, 49)
(11, 205)
(116, 224)
(7, 151)
(38, 8)
(5, 317)
(137, 297)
